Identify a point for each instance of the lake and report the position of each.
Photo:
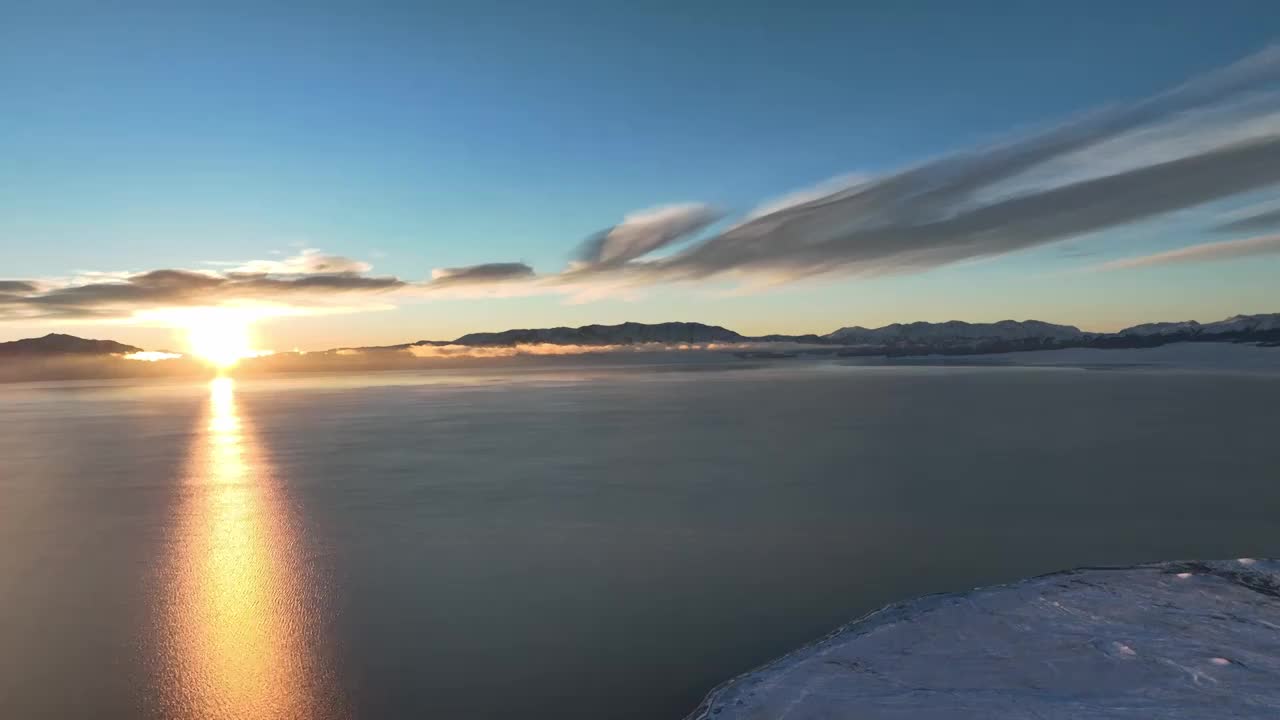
(569, 541)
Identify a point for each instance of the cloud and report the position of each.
(132, 293)
(836, 235)
(1213, 137)
(1210, 138)
(1074, 252)
(480, 274)
(802, 196)
(1206, 252)
(1257, 218)
(308, 262)
(309, 283)
(645, 231)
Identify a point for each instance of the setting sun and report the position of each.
(220, 341)
(219, 336)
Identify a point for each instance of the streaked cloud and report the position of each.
(1206, 252)
(1210, 138)
(644, 231)
(1074, 252)
(1214, 137)
(1256, 218)
(803, 196)
(480, 274)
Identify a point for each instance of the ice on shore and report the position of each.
(1187, 355)
(1170, 640)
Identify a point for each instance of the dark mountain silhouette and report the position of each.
(629, 333)
(59, 344)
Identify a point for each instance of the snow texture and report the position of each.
(1169, 640)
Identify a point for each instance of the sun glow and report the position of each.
(222, 341)
(220, 336)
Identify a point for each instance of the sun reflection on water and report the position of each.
(242, 609)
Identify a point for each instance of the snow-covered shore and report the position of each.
(1184, 355)
(1169, 640)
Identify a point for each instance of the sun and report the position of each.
(220, 341)
(220, 336)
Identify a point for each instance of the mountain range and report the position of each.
(919, 338)
(629, 333)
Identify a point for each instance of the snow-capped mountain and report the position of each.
(961, 338)
(624, 334)
(1269, 322)
(955, 331)
(1162, 328)
(1238, 324)
(954, 337)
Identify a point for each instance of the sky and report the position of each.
(375, 173)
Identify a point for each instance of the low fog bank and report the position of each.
(1226, 356)
(1202, 356)
(415, 357)
(436, 350)
(94, 367)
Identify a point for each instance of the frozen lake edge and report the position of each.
(1173, 640)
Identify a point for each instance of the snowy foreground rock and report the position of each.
(1171, 640)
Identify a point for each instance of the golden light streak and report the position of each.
(241, 608)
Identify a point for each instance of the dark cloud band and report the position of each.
(168, 288)
(479, 274)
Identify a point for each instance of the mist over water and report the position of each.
(568, 542)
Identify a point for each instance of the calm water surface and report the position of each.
(606, 542)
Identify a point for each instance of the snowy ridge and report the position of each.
(624, 334)
(1235, 324)
(1163, 328)
(953, 330)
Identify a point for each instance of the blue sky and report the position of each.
(436, 135)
